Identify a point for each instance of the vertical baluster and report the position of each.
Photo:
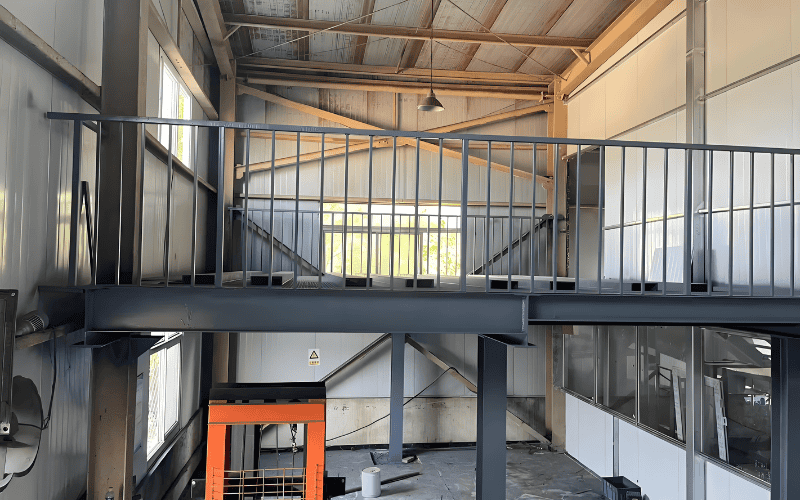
(394, 199)
(245, 214)
(510, 214)
(687, 223)
(344, 221)
(664, 226)
(439, 222)
(601, 195)
(220, 240)
(296, 263)
(194, 205)
(464, 210)
(772, 225)
(730, 227)
(555, 219)
(416, 219)
(72, 273)
(139, 270)
(96, 224)
(488, 214)
(167, 235)
(752, 221)
(578, 222)
(622, 222)
(321, 258)
(119, 219)
(272, 213)
(709, 222)
(534, 232)
(369, 215)
(792, 205)
(643, 242)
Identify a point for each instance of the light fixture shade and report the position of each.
(430, 103)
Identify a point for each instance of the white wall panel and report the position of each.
(722, 485)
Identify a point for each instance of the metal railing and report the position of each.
(475, 214)
(278, 484)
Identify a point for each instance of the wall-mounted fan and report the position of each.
(21, 412)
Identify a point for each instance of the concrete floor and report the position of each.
(532, 473)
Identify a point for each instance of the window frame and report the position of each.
(169, 340)
(179, 89)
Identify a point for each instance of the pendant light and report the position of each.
(430, 102)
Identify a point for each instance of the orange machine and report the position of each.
(233, 404)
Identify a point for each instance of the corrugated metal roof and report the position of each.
(571, 18)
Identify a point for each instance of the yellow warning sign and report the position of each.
(314, 357)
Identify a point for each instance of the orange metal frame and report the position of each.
(221, 416)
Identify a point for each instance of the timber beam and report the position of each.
(212, 18)
(404, 32)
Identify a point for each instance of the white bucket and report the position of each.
(371, 482)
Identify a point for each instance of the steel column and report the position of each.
(492, 388)
(785, 412)
(396, 398)
(695, 465)
(696, 120)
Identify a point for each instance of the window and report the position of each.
(737, 400)
(163, 391)
(175, 103)
(580, 359)
(617, 368)
(437, 240)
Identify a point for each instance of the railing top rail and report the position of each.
(421, 135)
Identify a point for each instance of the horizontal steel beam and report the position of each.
(126, 309)
(669, 310)
(409, 33)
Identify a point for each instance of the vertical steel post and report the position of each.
(369, 215)
(730, 227)
(396, 399)
(664, 226)
(272, 210)
(394, 200)
(534, 223)
(492, 389)
(772, 225)
(622, 222)
(167, 235)
(296, 259)
(696, 125)
(785, 411)
(792, 206)
(555, 219)
(72, 274)
(416, 220)
(439, 222)
(246, 214)
(464, 210)
(344, 221)
(321, 258)
(695, 465)
(601, 195)
(195, 178)
(118, 263)
(687, 224)
(97, 174)
(643, 242)
(220, 240)
(511, 215)
(709, 223)
(578, 222)
(138, 271)
(751, 263)
(488, 213)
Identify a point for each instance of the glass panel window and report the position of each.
(663, 352)
(579, 355)
(737, 400)
(175, 103)
(617, 368)
(163, 394)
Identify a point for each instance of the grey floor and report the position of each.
(532, 473)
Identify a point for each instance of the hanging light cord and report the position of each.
(431, 46)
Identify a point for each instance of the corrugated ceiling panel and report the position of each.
(584, 19)
(386, 51)
(266, 38)
(450, 18)
(530, 17)
(333, 47)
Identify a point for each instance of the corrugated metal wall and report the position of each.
(35, 197)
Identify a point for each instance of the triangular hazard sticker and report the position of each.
(313, 355)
